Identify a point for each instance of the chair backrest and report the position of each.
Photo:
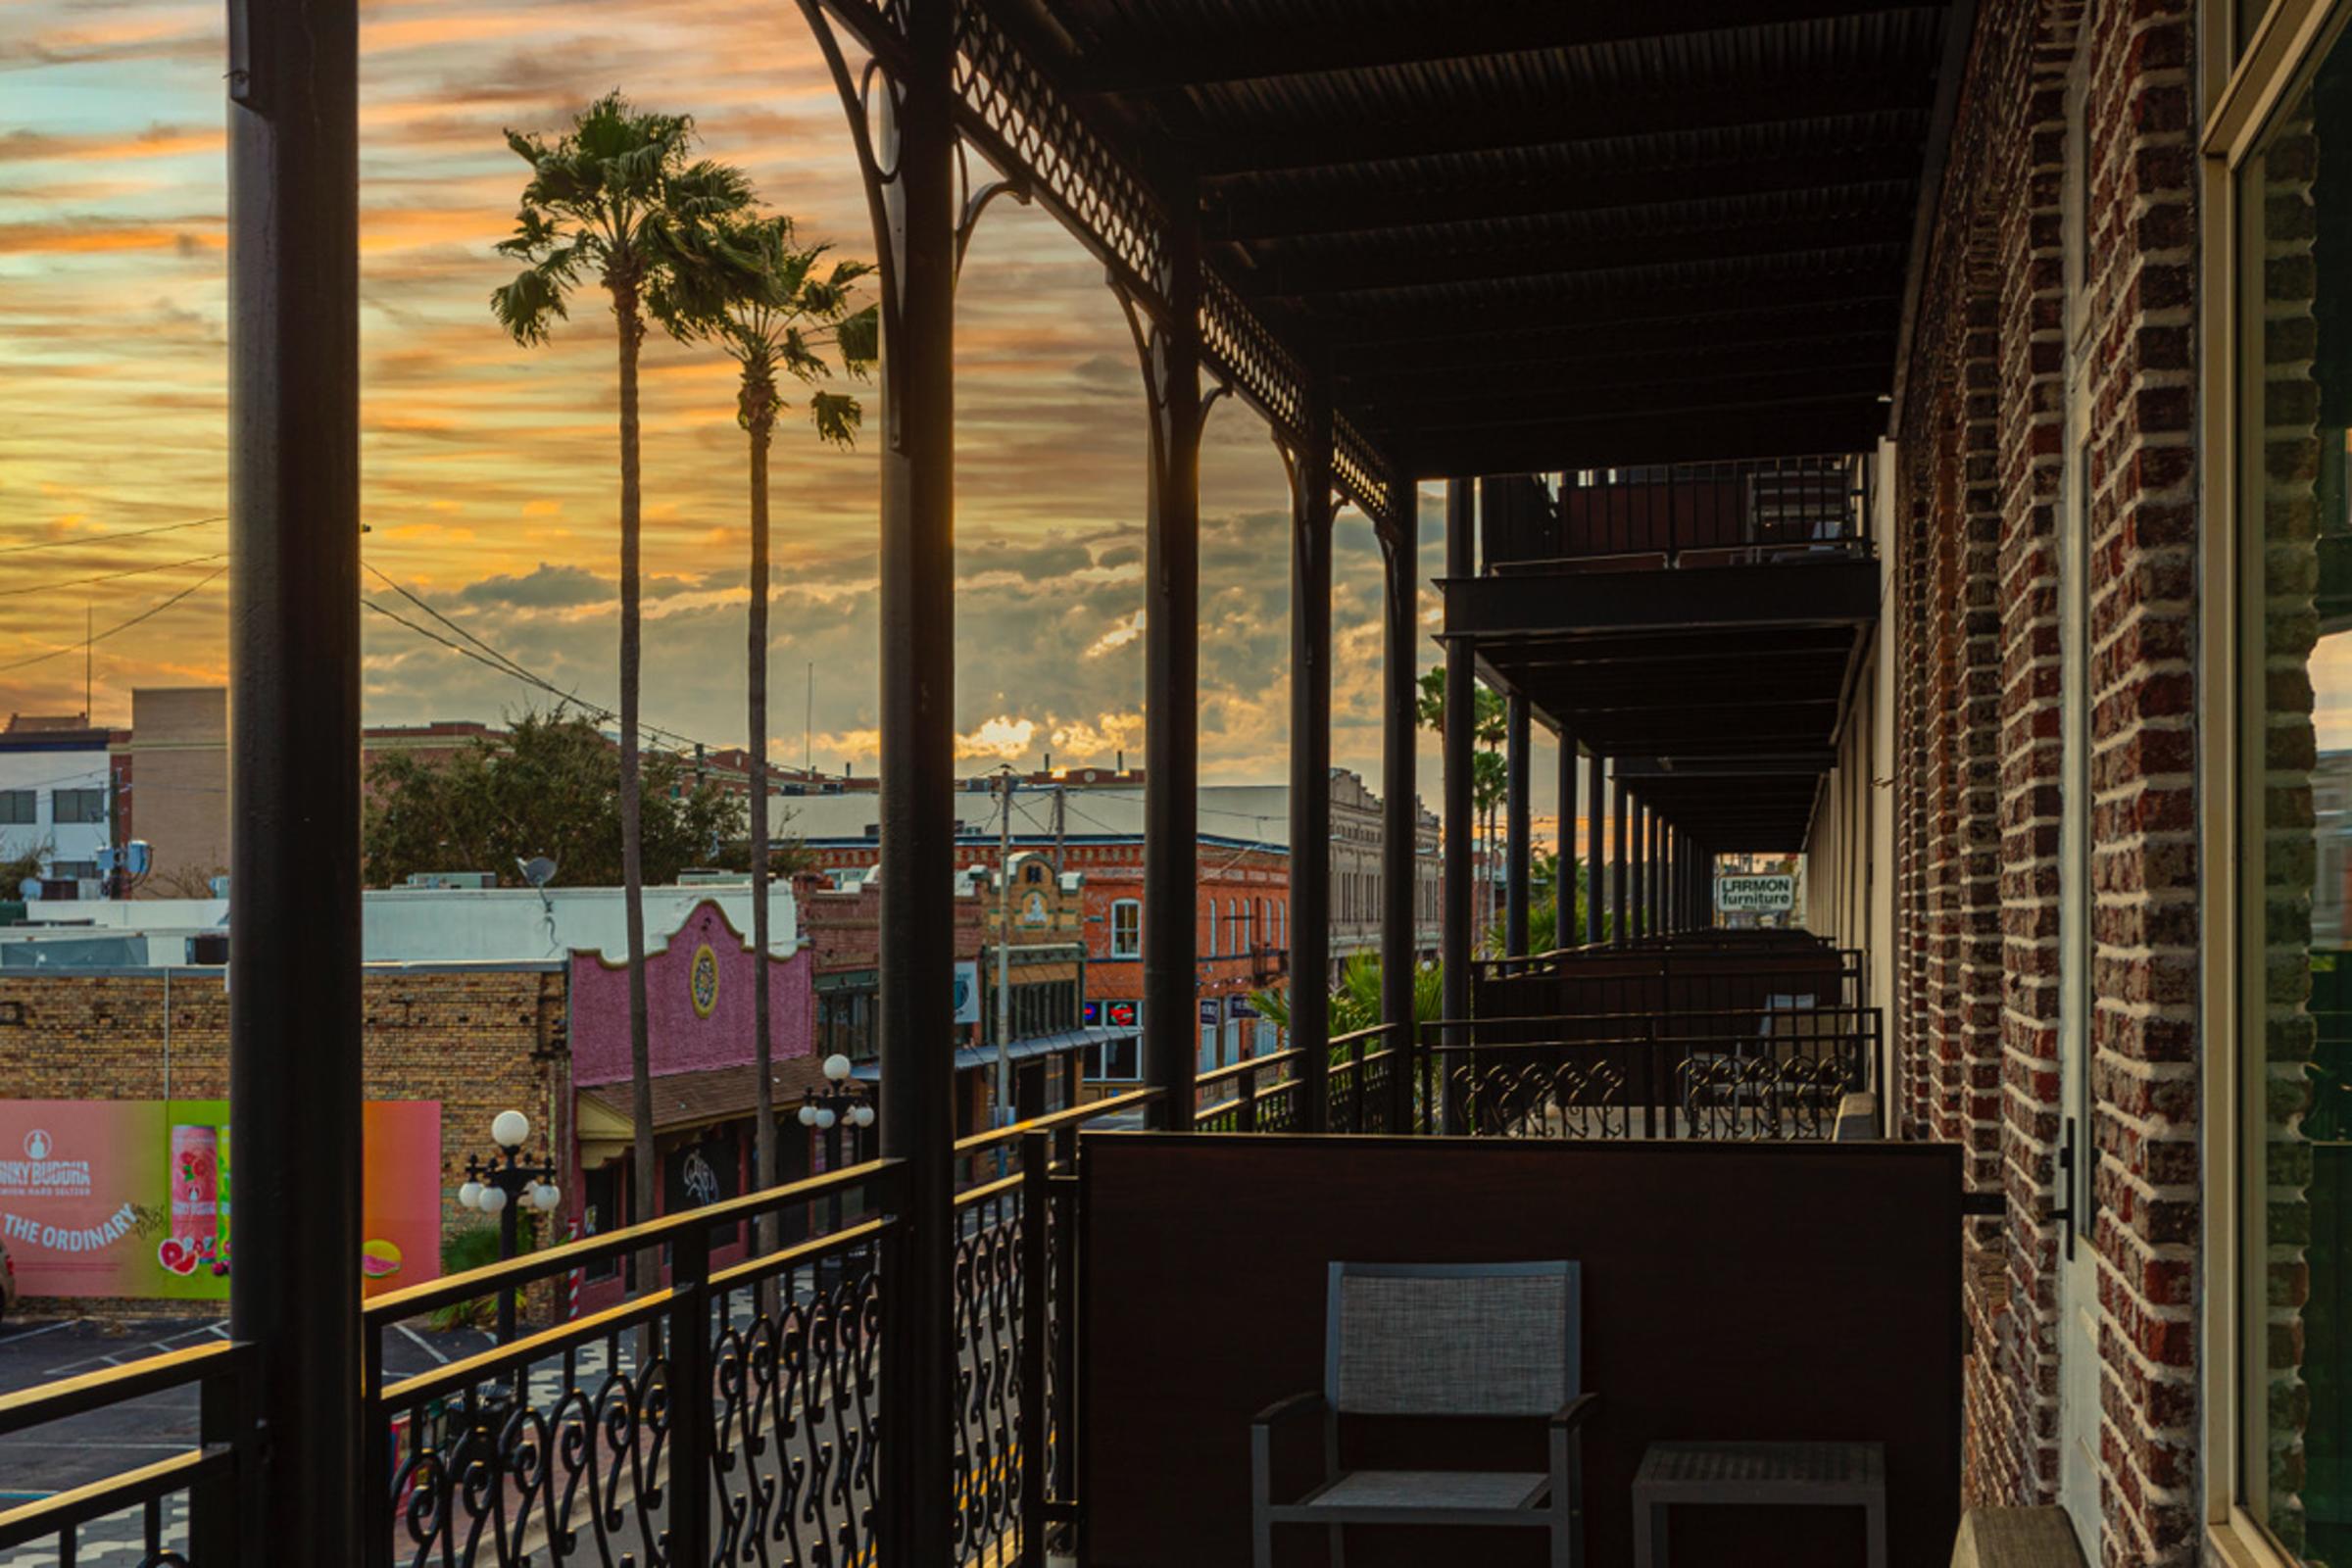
(1451, 1338)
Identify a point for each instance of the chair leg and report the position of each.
(1874, 1514)
(1261, 1545)
(1339, 1547)
(1651, 1548)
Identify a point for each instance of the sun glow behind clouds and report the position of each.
(489, 469)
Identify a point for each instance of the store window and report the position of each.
(19, 808)
(1127, 929)
(2294, 1210)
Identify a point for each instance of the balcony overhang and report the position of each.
(1718, 692)
(1691, 231)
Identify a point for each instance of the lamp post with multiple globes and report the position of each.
(500, 1186)
(826, 1110)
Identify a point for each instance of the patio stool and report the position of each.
(1786, 1474)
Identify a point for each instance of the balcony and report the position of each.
(1051, 1337)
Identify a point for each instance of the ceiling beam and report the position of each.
(1315, 272)
(1238, 148)
(1411, 198)
(1752, 285)
(1618, 440)
(1370, 366)
(1412, 387)
(1466, 34)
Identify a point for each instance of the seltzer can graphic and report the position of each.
(195, 1183)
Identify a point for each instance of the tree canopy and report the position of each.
(550, 786)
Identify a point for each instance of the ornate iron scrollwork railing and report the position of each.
(1765, 1073)
(718, 1416)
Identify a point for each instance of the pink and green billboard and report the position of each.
(135, 1198)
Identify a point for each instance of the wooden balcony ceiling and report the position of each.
(1531, 238)
(1721, 688)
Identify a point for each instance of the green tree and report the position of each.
(785, 319)
(618, 201)
(550, 786)
(1488, 773)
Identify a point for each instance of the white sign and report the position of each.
(1755, 895)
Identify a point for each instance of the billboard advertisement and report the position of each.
(133, 1198)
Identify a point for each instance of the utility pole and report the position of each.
(1004, 958)
(1060, 824)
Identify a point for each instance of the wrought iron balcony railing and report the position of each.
(737, 1413)
(1690, 514)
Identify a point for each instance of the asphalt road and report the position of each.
(89, 1447)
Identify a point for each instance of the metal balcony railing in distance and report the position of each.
(216, 1478)
(1692, 515)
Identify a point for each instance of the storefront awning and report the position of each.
(682, 1100)
(1022, 1049)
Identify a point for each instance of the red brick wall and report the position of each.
(1978, 755)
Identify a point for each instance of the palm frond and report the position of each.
(836, 416)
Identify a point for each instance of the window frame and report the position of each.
(31, 801)
(1132, 947)
(85, 797)
(2242, 90)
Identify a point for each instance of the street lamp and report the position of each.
(826, 1110)
(500, 1186)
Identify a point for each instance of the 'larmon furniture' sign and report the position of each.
(1755, 895)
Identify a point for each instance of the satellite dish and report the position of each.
(538, 870)
(30, 889)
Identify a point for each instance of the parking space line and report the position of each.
(45, 1328)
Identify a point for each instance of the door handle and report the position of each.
(2064, 1213)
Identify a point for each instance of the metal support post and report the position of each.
(1460, 742)
(1620, 884)
(1311, 763)
(1400, 810)
(1517, 745)
(1563, 891)
(294, 749)
(1596, 820)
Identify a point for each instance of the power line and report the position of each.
(152, 609)
(490, 658)
(107, 538)
(110, 576)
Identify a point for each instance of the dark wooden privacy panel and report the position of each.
(1732, 1291)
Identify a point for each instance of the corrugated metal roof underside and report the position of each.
(1537, 237)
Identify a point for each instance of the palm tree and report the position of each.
(783, 320)
(616, 202)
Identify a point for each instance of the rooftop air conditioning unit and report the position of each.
(702, 876)
(444, 881)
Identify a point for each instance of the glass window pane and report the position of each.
(2296, 196)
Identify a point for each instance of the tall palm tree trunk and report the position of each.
(756, 685)
(626, 312)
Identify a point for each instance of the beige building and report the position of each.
(178, 794)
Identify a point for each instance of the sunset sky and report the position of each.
(489, 468)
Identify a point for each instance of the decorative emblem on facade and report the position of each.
(701, 981)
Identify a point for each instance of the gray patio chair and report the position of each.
(1447, 1340)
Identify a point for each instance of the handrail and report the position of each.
(97, 1499)
(1364, 1033)
(1250, 1064)
(1055, 1119)
(561, 1259)
(93, 1390)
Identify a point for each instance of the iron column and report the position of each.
(917, 810)
(1460, 742)
(294, 748)
(1400, 810)
(1172, 685)
(1518, 740)
(1597, 819)
(1310, 761)
(1563, 892)
(1636, 872)
(1619, 883)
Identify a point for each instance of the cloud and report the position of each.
(547, 588)
(1119, 636)
(1002, 738)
